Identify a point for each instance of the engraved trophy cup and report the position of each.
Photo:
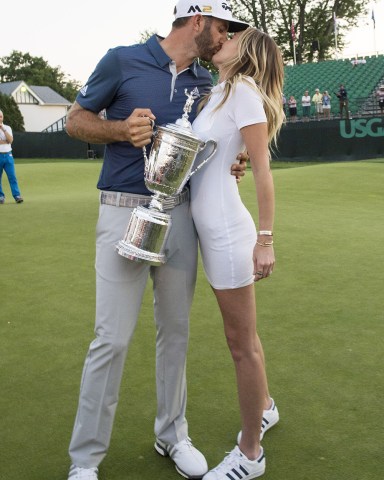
(167, 170)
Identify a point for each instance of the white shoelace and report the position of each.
(83, 473)
(231, 460)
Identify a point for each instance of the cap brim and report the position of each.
(234, 27)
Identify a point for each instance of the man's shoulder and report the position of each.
(128, 50)
(203, 73)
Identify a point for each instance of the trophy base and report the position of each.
(138, 255)
(145, 237)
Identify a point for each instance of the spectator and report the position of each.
(292, 106)
(6, 161)
(317, 99)
(326, 105)
(380, 97)
(342, 95)
(306, 105)
(284, 101)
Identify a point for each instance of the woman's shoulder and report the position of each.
(248, 82)
(246, 86)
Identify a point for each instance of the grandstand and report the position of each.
(361, 78)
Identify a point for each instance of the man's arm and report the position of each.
(89, 127)
(8, 136)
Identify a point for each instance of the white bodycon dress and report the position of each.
(226, 230)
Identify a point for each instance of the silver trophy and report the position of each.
(167, 170)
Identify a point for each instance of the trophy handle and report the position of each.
(144, 149)
(214, 143)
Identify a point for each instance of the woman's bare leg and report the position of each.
(238, 309)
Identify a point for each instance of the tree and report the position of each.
(20, 66)
(311, 22)
(12, 113)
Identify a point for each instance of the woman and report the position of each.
(292, 107)
(242, 111)
(327, 105)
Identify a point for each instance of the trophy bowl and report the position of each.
(170, 161)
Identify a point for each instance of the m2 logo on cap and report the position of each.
(207, 8)
(196, 8)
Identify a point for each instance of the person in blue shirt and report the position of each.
(137, 85)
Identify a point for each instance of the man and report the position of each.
(342, 95)
(380, 97)
(317, 99)
(137, 85)
(7, 162)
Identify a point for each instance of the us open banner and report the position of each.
(332, 140)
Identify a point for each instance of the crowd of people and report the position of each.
(318, 106)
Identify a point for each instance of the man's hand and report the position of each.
(89, 127)
(140, 126)
(238, 169)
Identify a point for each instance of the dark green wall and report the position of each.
(325, 140)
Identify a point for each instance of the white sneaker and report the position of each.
(79, 473)
(237, 466)
(189, 462)
(270, 418)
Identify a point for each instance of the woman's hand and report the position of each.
(263, 261)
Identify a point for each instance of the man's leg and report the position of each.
(174, 285)
(9, 168)
(120, 284)
(1, 174)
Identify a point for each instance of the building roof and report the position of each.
(9, 87)
(49, 96)
(44, 95)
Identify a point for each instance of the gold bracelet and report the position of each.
(265, 244)
(266, 232)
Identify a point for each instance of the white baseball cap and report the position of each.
(211, 8)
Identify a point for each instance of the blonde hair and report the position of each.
(258, 57)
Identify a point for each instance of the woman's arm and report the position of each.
(256, 141)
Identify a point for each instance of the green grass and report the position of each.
(320, 317)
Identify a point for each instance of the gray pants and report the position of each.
(120, 284)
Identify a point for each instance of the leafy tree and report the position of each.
(313, 22)
(12, 113)
(36, 71)
(145, 36)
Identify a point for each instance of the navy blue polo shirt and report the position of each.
(130, 77)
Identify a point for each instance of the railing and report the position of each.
(58, 126)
